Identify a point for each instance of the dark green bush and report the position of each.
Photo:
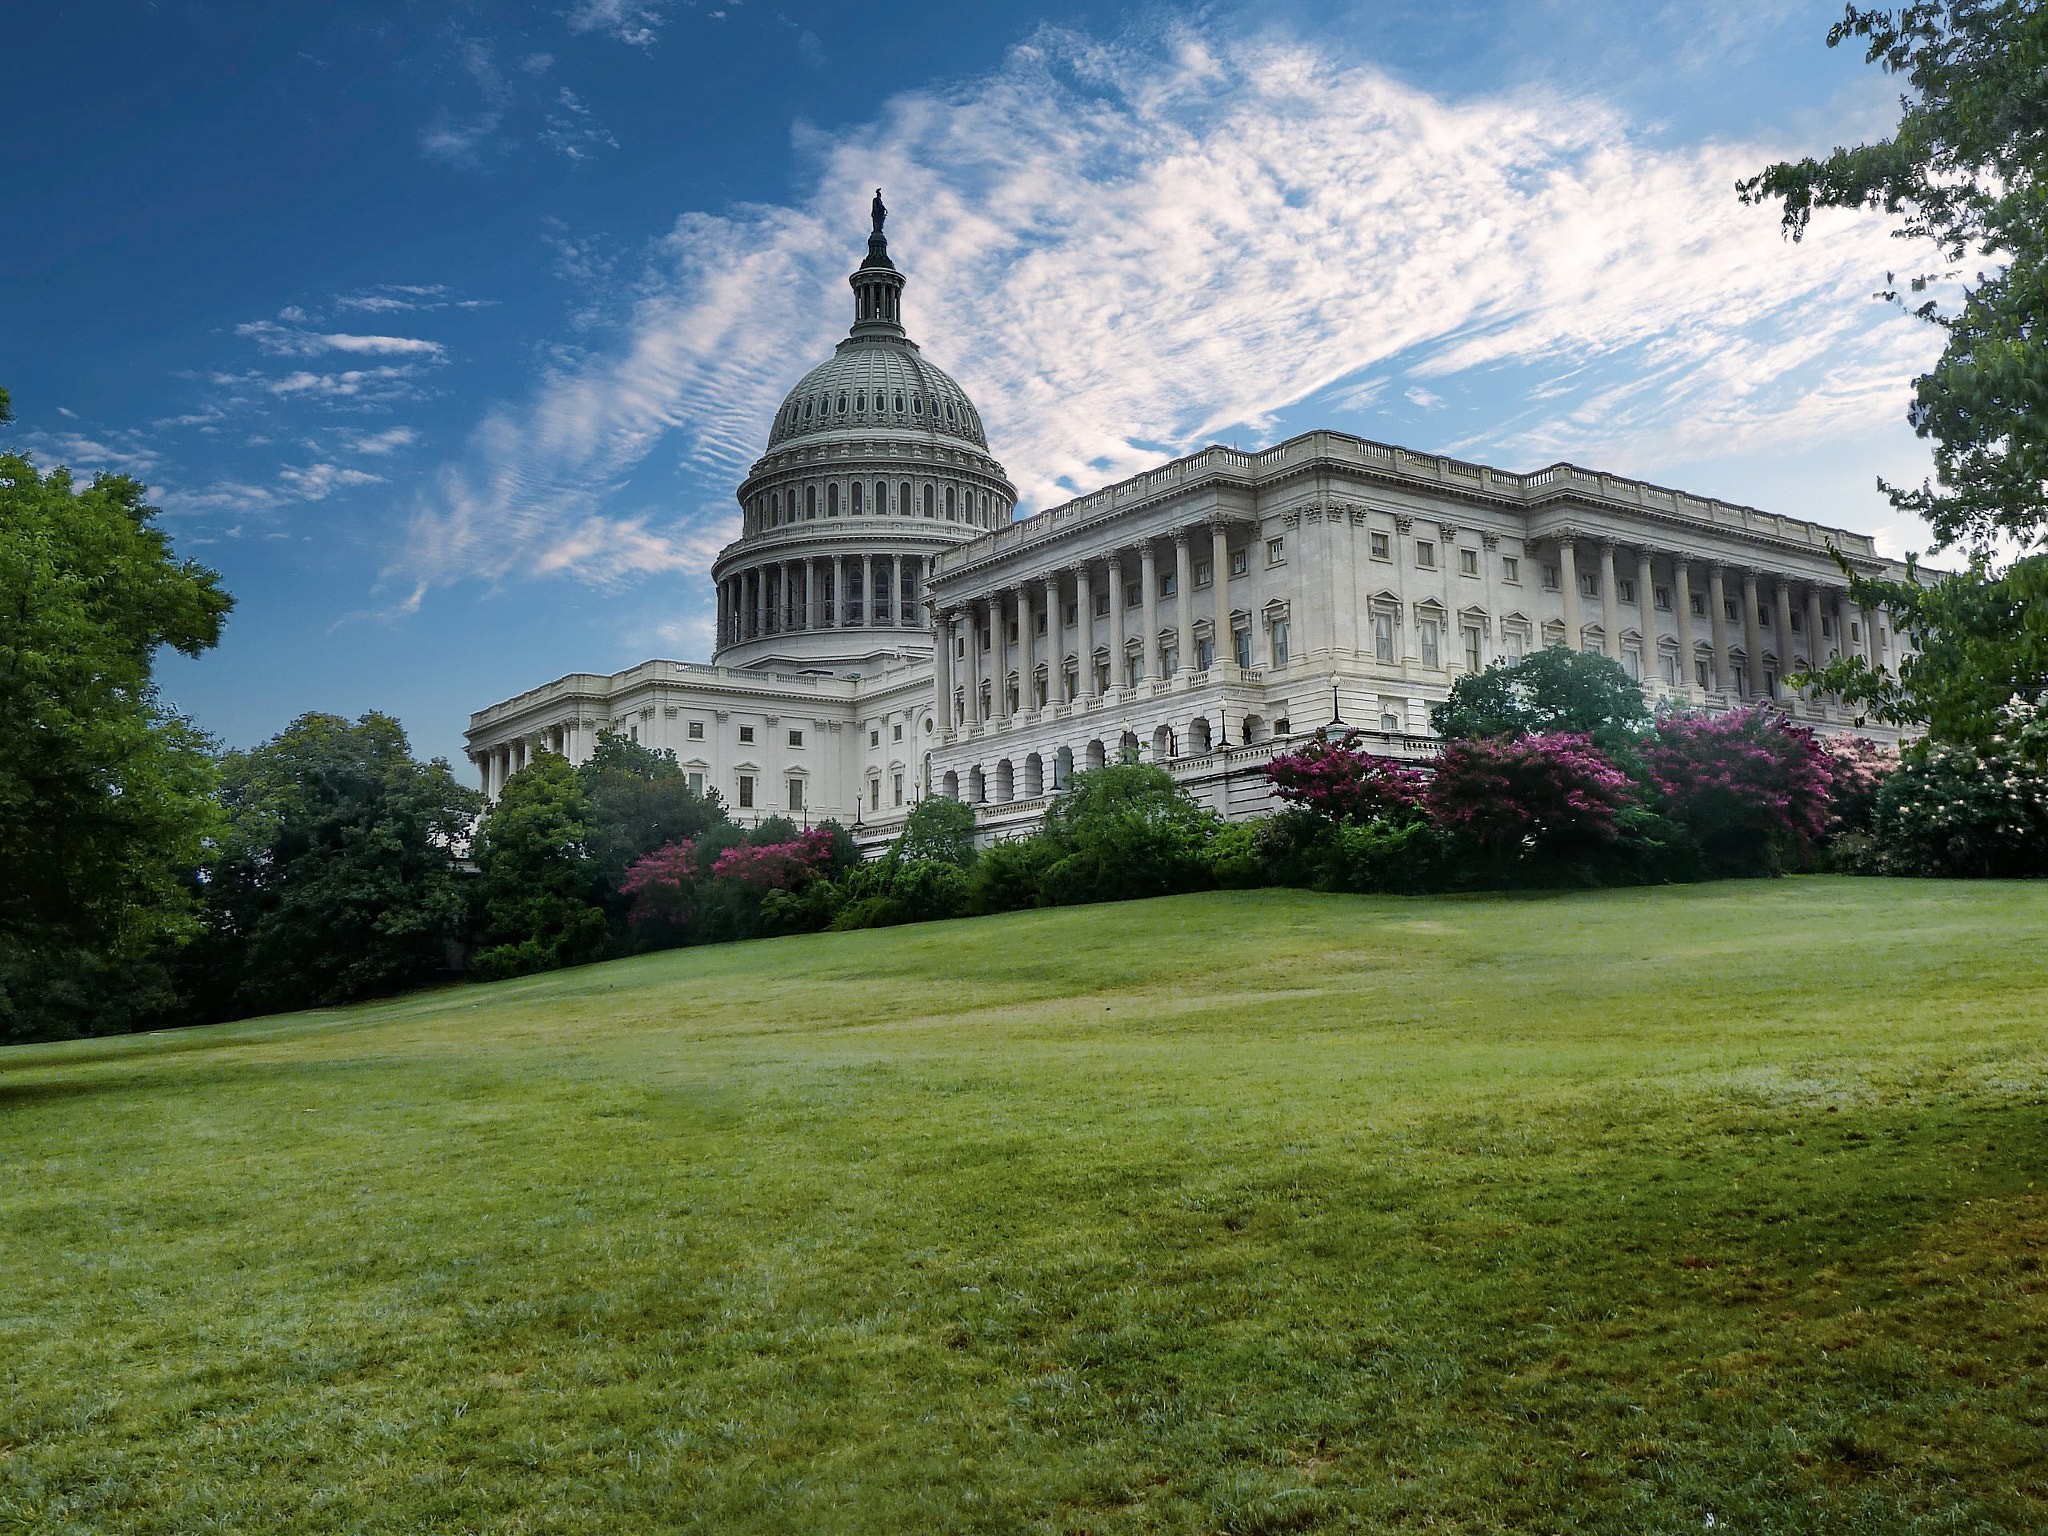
(1955, 814)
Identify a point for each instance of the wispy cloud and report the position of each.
(292, 341)
(380, 444)
(405, 298)
(456, 136)
(572, 132)
(121, 452)
(1117, 248)
(635, 23)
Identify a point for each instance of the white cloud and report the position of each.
(289, 341)
(112, 453)
(633, 22)
(381, 443)
(1415, 394)
(316, 482)
(1117, 249)
(572, 132)
(456, 137)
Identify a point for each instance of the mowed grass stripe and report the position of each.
(1247, 1212)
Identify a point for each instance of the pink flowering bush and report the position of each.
(1750, 785)
(660, 890)
(1528, 799)
(776, 866)
(1857, 769)
(1342, 782)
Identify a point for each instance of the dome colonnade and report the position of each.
(877, 461)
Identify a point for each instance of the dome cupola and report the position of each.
(876, 461)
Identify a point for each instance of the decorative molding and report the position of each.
(1403, 522)
(1490, 540)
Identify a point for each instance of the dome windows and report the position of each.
(854, 491)
(903, 498)
(899, 402)
(916, 405)
(949, 410)
(842, 402)
(860, 403)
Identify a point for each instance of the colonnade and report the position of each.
(821, 592)
(1020, 630)
(1706, 642)
(498, 763)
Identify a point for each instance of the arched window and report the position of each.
(807, 410)
(949, 410)
(810, 501)
(951, 515)
(903, 503)
(899, 402)
(842, 402)
(860, 401)
(927, 500)
(774, 509)
(917, 405)
(855, 492)
(832, 499)
(881, 497)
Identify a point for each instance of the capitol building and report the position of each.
(888, 629)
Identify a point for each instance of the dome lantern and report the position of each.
(877, 285)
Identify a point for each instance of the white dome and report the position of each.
(877, 384)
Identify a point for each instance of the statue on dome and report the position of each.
(878, 211)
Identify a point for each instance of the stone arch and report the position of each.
(1163, 744)
(1006, 782)
(1063, 768)
(1034, 776)
(1198, 736)
(1093, 756)
(949, 786)
(977, 786)
(1127, 744)
(1255, 730)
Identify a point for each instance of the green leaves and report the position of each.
(1557, 689)
(1963, 172)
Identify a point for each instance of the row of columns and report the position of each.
(820, 592)
(1045, 595)
(497, 764)
(1818, 602)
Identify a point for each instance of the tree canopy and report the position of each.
(1962, 171)
(1555, 690)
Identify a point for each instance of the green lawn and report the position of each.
(1242, 1212)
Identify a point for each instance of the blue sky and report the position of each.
(445, 330)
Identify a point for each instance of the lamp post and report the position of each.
(1336, 716)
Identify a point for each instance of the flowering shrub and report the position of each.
(1857, 769)
(1551, 796)
(758, 870)
(1346, 783)
(661, 888)
(1749, 784)
(1955, 814)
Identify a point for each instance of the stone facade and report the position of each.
(886, 630)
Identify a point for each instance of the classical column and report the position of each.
(1184, 590)
(1717, 613)
(1116, 620)
(724, 607)
(1055, 641)
(1084, 600)
(975, 670)
(1681, 607)
(1148, 573)
(1871, 648)
(1752, 636)
(1027, 649)
(1568, 580)
(1219, 591)
(912, 595)
(841, 602)
(793, 595)
(999, 639)
(1782, 605)
(1610, 604)
(1646, 611)
(1816, 642)
(942, 666)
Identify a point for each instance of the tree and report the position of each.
(640, 802)
(939, 829)
(1962, 170)
(540, 888)
(1982, 639)
(335, 877)
(1125, 831)
(103, 790)
(1342, 781)
(1553, 691)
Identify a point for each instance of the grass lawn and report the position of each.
(1247, 1212)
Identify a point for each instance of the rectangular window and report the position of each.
(1169, 583)
(1518, 643)
(1589, 583)
(635, 730)
(874, 738)
(1632, 662)
(1381, 549)
(746, 791)
(1240, 562)
(696, 783)
(1205, 573)
(1241, 647)
(746, 733)
(1699, 604)
(1667, 664)
(1855, 632)
(1390, 725)
(1279, 642)
(796, 738)
(1701, 674)
(1276, 551)
(898, 789)
(1468, 561)
(896, 731)
(874, 794)
(1510, 569)
(696, 730)
(1627, 590)
(1798, 625)
(1073, 614)
(1472, 662)
(1425, 554)
(1102, 605)
(1383, 636)
(1169, 661)
(1552, 578)
(796, 794)
(1663, 599)
(1013, 631)
(1827, 627)
(1205, 653)
(1425, 635)
(1134, 594)
(1763, 617)
(1038, 622)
